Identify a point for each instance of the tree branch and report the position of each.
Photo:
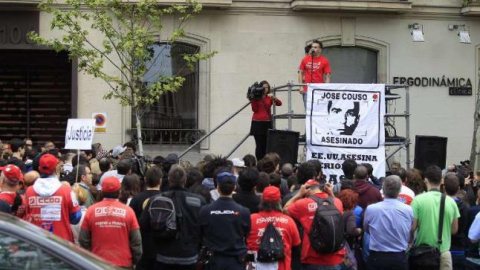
(120, 56)
(93, 46)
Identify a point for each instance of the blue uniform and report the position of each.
(225, 226)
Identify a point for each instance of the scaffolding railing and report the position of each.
(402, 143)
(215, 129)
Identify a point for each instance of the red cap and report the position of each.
(271, 194)
(311, 183)
(111, 184)
(48, 164)
(12, 173)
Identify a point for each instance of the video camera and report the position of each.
(255, 92)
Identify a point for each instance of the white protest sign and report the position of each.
(79, 134)
(346, 121)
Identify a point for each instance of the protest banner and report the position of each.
(346, 121)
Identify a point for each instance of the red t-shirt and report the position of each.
(52, 212)
(321, 66)
(261, 108)
(9, 197)
(110, 223)
(303, 210)
(406, 195)
(284, 224)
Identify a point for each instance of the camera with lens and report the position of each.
(255, 92)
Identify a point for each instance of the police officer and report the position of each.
(225, 226)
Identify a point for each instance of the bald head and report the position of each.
(287, 170)
(361, 173)
(30, 177)
(451, 168)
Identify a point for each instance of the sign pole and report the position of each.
(78, 163)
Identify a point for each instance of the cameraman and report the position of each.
(138, 163)
(262, 118)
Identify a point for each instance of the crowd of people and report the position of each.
(243, 213)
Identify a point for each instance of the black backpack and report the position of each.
(164, 217)
(271, 245)
(327, 232)
(139, 165)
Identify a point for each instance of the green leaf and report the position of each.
(111, 41)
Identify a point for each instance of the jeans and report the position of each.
(458, 260)
(387, 261)
(321, 267)
(366, 246)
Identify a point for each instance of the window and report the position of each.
(352, 64)
(174, 119)
(36, 93)
(16, 254)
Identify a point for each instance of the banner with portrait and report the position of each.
(346, 121)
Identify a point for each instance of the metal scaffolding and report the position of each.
(401, 143)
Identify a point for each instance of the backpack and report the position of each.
(139, 165)
(271, 247)
(327, 232)
(163, 216)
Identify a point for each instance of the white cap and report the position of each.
(238, 163)
(118, 150)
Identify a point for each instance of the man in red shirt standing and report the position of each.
(110, 228)
(271, 211)
(11, 176)
(314, 68)
(302, 208)
(50, 204)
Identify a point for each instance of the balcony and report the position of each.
(20, 2)
(390, 6)
(471, 8)
(205, 3)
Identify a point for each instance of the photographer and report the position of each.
(261, 119)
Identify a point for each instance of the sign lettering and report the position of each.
(460, 91)
(79, 134)
(15, 25)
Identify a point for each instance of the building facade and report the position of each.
(366, 42)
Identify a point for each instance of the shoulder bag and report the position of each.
(424, 257)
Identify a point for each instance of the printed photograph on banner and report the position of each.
(345, 122)
(345, 118)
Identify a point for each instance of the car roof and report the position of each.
(58, 247)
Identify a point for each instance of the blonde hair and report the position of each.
(200, 165)
(81, 194)
(186, 164)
